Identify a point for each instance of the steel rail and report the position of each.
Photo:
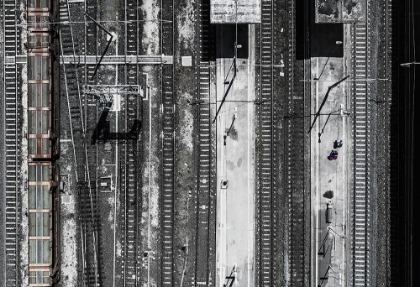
(130, 183)
(10, 108)
(168, 150)
(267, 274)
(78, 119)
(294, 157)
(360, 259)
(204, 176)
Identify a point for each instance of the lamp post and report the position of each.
(329, 56)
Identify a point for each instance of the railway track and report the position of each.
(131, 27)
(383, 106)
(85, 172)
(294, 145)
(360, 227)
(295, 188)
(10, 72)
(130, 200)
(130, 169)
(168, 187)
(168, 148)
(267, 272)
(205, 175)
(72, 87)
(398, 264)
(94, 270)
(94, 273)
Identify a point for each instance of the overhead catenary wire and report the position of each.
(324, 100)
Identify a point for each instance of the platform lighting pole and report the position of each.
(329, 56)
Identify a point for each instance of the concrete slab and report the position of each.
(235, 11)
(186, 61)
(168, 60)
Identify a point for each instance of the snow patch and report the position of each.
(23, 35)
(119, 249)
(68, 209)
(64, 148)
(69, 252)
(103, 167)
(187, 126)
(186, 25)
(111, 212)
(150, 37)
(154, 194)
(23, 174)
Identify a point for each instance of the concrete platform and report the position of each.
(235, 163)
(235, 11)
(330, 184)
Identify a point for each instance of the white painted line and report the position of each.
(222, 241)
(250, 228)
(345, 192)
(116, 178)
(220, 122)
(223, 218)
(150, 166)
(317, 184)
(150, 175)
(249, 166)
